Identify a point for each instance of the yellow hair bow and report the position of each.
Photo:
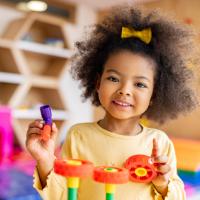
(145, 35)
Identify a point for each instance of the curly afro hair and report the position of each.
(170, 47)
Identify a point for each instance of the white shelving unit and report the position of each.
(30, 69)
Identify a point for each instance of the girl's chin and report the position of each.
(123, 116)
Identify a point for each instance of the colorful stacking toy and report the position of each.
(110, 176)
(47, 117)
(73, 170)
(141, 168)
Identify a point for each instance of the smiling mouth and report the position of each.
(121, 103)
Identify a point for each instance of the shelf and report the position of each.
(37, 27)
(33, 55)
(6, 43)
(44, 82)
(40, 31)
(7, 61)
(46, 65)
(44, 49)
(35, 114)
(6, 92)
(11, 78)
(37, 95)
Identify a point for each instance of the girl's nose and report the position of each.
(124, 91)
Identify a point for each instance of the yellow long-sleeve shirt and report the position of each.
(88, 141)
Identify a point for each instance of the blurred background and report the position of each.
(36, 41)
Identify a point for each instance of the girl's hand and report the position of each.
(162, 168)
(40, 150)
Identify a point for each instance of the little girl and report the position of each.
(133, 65)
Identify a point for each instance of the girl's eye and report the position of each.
(113, 79)
(141, 85)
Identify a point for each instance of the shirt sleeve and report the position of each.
(175, 186)
(56, 187)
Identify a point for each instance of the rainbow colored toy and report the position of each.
(110, 176)
(141, 168)
(47, 117)
(73, 170)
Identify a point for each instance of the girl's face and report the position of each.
(126, 85)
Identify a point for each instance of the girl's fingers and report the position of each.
(37, 123)
(33, 135)
(33, 131)
(163, 169)
(160, 160)
(154, 152)
(37, 126)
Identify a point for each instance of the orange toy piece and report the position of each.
(113, 175)
(46, 132)
(110, 176)
(73, 170)
(141, 168)
(73, 167)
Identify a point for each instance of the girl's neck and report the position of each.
(122, 127)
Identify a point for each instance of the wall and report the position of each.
(187, 126)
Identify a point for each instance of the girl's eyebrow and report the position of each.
(142, 77)
(137, 77)
(113, 70)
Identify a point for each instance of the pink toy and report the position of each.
(6, 133)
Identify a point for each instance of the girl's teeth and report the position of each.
(122, 104)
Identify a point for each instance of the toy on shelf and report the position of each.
(55, 42)
(110, 176)
(141, 168)
(47, 117)
(73, 170)
(6, 133)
